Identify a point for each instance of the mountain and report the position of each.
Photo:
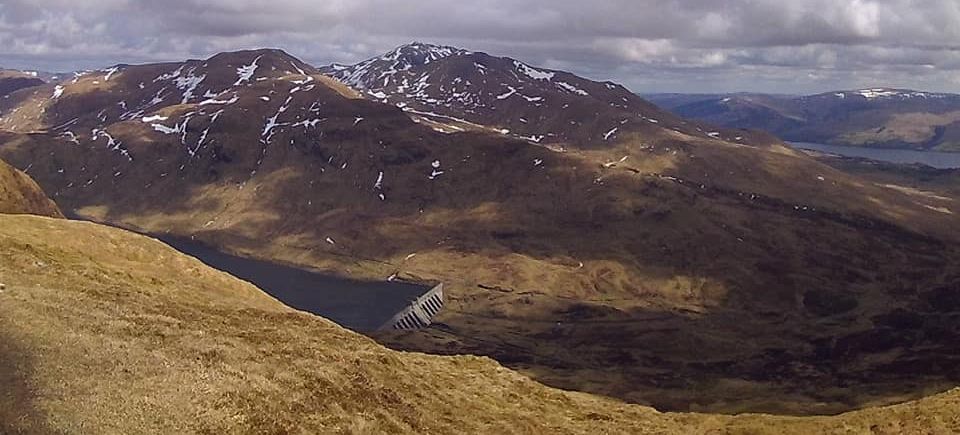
(12, 80)
(663, 265)
(157, 342)
(456, 89)
(879, 118)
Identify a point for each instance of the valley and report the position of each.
(585, 237)
(191, 349)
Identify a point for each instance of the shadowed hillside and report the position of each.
(11, 80)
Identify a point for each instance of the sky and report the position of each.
(777, 46)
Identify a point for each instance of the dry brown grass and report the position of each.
(20, 194)
(104, 331)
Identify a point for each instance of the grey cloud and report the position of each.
(676, 45)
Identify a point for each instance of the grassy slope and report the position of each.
(20, 194)
(132, 336)
(105, 331)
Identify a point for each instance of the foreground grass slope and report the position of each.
(105, 331)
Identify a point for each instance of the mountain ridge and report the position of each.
(531, 103)
(870, 117)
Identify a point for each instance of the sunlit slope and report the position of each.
(20, 195)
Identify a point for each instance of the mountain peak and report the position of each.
(419, 54)
(273, 57)
(502, 94)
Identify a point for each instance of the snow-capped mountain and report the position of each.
(458, 88)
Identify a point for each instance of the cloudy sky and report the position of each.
(788, 46)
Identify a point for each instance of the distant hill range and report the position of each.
(13, 80)
(876, 118)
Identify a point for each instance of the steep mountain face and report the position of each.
(881, 118)
(667, 266)
(19, 194)
(160, 343)
(460, 89)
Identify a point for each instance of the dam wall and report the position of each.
(420, 313)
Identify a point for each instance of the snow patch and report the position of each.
(188, 84)
(110, 72)
(112, 144)
(508, 94)
(216, 101)
(572, 88)
(610, 133)
(170, 75)
(245, 72)
(272, 122)
(436, 172)
(532, 72)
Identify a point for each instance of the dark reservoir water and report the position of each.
(935, 159)
(358, 305)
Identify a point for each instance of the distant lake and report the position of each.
(935, 159)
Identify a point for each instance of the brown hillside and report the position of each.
(20, 195)
(11, 80)
(156, 342)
